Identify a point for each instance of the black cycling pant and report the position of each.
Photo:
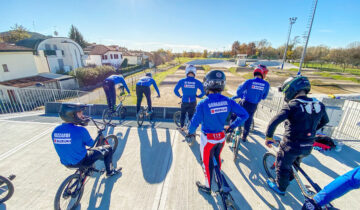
(109, 89)
(103, 152)
(288, 154)
(251, 109)
(187, 108)
(140, 90)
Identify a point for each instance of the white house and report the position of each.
(62, 54)
(19, 62)
(134, 58)
(104, 55)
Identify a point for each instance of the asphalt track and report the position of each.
(159, 169)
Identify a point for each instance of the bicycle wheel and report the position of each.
(69, 193)
(107, 116)
(236, 147)
(176, 118)
(122, 112)
(269, 161)
(230, 202)
(111, 140)
(140, 117)
(6, 189)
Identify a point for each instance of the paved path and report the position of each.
(159, 170)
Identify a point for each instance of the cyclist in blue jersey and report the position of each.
(252, 91)
(143, 88)
(109, 88)
(337, 188)
(189, 87)
(212, 113)
(70, 140)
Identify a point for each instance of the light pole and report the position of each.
(308, 36)
(292, 21)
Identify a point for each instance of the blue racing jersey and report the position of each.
(189, 87)
(117, 79)
(69, 141)
(253, 90)
(147, 82)
(212, 113)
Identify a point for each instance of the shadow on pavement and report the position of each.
(122, 143)
(107, 184)
(156, 156)
(253, 151)
(347, 156)
(2, 206)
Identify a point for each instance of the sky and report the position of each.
(186, 24)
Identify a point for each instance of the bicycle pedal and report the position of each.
(12, 176)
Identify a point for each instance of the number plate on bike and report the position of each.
(215, 136)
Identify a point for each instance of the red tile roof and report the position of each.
(6, 47)
(27, 81)
(102, 49)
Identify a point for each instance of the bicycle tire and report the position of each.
(176, 118)
(230, 202)
(62, 187)
(107, 116)
(115, 139)
(236, 147)
(140, 118)
(10, 188)
(269, 163)
(122, 113)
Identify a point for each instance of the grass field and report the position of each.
(331, 68)
(338, 77)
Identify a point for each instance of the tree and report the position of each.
(75, 35)
(235, 48)
(124, 63)
(17, 33)
(251, 49)
(262, 45)
(205, 54)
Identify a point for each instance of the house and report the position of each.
(62, 54)
(104, 55)
(19, 62)
(134, 58)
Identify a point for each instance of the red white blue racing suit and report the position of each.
(212, 113)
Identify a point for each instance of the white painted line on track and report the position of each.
(29, 122)
(10, 116)
(157, 125)
(19, 147)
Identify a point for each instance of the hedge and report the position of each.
(128, 69)
(92, 75)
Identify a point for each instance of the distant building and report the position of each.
(104, 55)
(19, 62)
(62, 54)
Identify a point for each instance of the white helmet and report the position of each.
(190, 68)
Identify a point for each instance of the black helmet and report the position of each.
(68, 113)
(215, 81)
(148, 74)
(293, 85)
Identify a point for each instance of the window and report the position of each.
(111, 56)
(103, 57)
(5, 68)
(116, 56)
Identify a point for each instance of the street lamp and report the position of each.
(292, 21)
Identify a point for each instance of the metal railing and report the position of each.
(346, 127)
(14, 100)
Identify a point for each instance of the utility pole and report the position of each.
(292, 21)
(308, 35)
